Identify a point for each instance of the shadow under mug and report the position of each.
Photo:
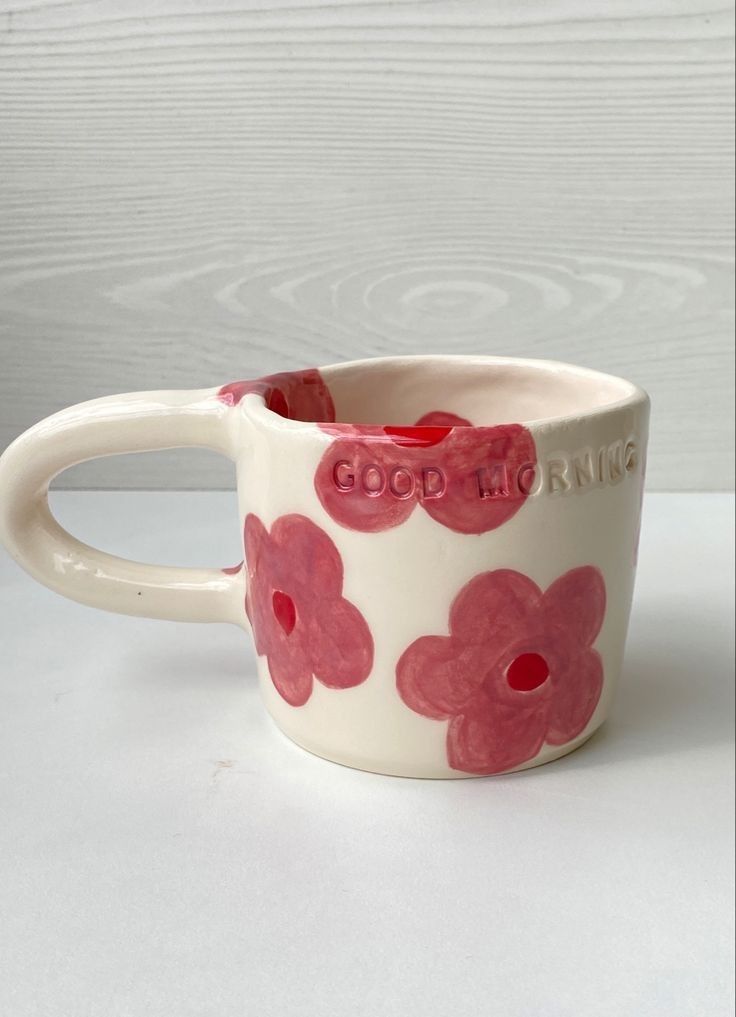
(439, 552)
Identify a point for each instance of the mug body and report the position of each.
(439, 556)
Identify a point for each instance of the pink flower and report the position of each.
(297, 395)
(517, 670)
(470, 479)
(301, 622)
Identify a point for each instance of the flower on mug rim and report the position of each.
(469, 479)
(296, 395)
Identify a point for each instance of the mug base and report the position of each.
(548, 755)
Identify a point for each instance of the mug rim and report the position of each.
(633, 395)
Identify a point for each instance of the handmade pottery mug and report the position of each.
(439, 552)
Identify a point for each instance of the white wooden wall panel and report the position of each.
(192, 192)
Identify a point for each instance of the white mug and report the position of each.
(439, 552)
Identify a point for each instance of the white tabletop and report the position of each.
(166, 851)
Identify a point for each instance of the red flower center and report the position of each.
(285, 611)
(527, 672)
(419, 437)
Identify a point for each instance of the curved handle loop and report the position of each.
(136, 422)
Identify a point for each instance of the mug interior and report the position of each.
(482, 391)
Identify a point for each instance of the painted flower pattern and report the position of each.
(301, 622)
(297, 395)
(517, 670)
(469, 479)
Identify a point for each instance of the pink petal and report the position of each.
(340, 482)
(576, 691)
(339, 644)
(255, 537)
(290, 672)
(496, 609)
(258, 589)
(435, 678)
(306, 395)
(304, 561)
(575, 604)
(492, 737)
(482, 466)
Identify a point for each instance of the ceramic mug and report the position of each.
(439, 552)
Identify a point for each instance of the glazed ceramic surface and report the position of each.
(439, 552)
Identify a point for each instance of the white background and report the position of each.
(192, 192)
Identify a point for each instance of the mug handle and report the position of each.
(136, 422)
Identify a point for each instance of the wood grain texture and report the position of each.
(192, 192)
